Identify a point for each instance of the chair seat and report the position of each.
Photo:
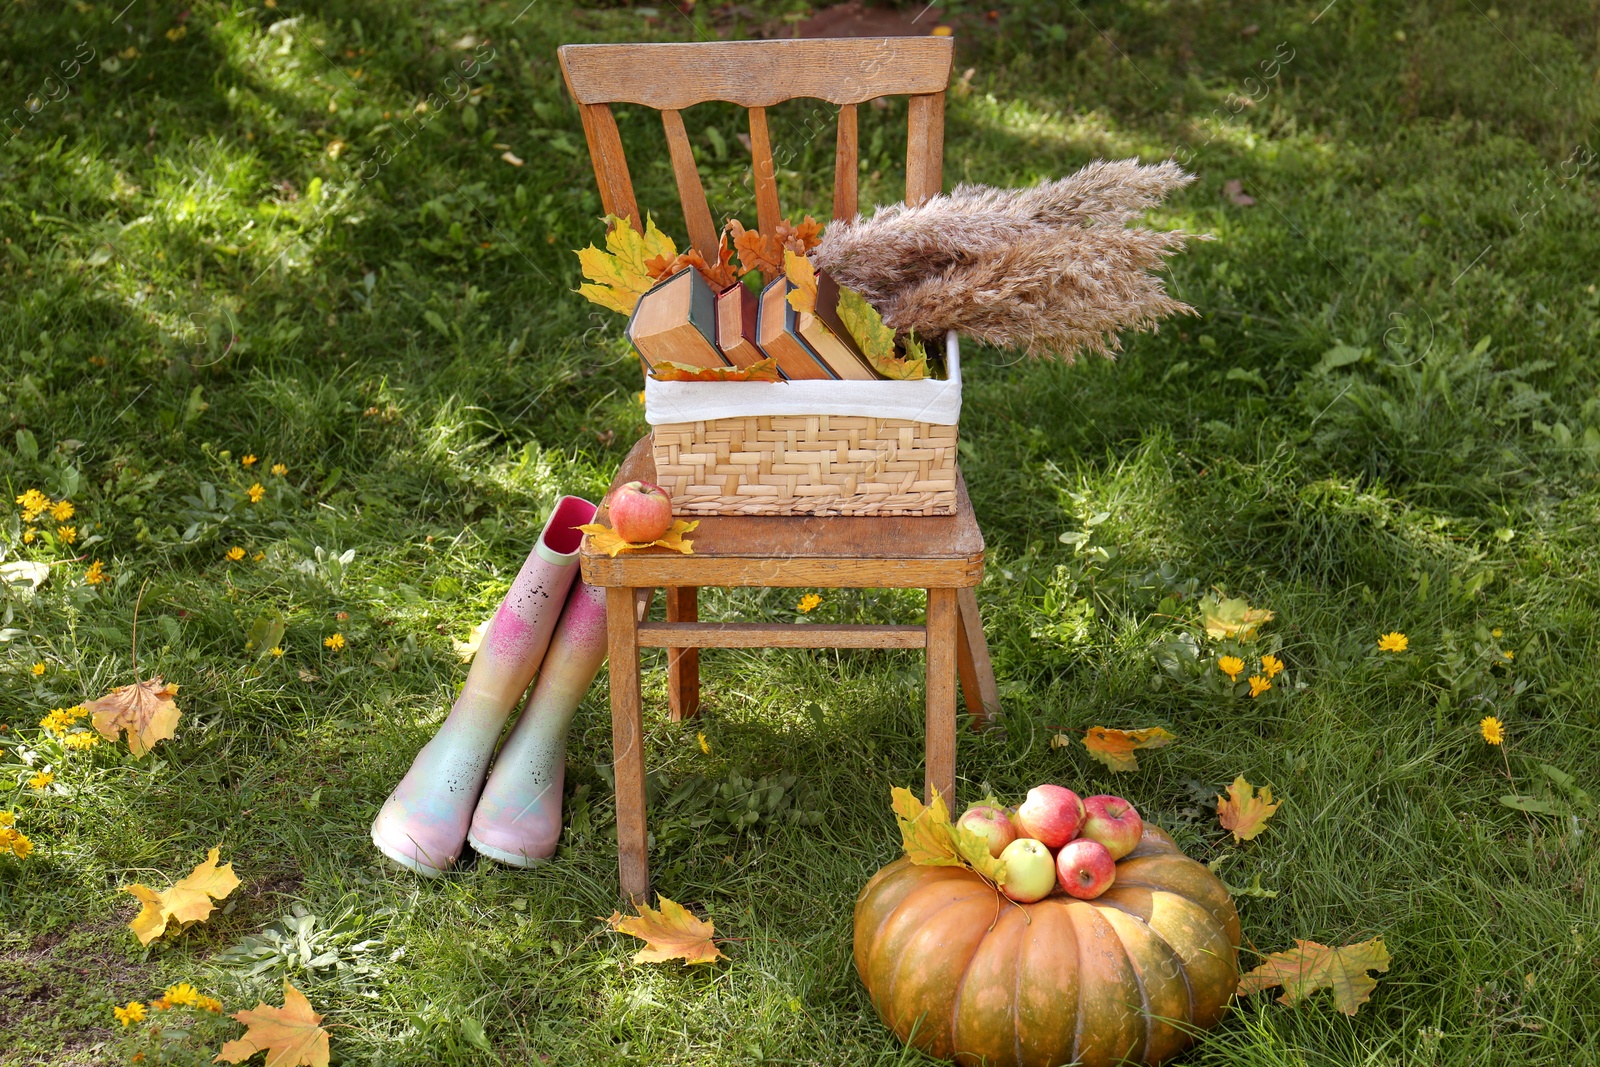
(881, 552)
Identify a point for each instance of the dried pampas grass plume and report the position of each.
(1053, 269)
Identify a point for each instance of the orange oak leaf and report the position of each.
(720, 275)
(764, 251)
(1245, 812)
(606, 539)
(1309, 967)
(762, 370)
(673, 933)
(188, 901)
(291, 1036)
(803, 276)
(1115, 748)
(145, 710)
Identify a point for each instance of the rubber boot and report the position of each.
(424, 822)
(518, 820)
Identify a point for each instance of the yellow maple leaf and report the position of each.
(145, 710)
(188, 901)
(1243, 811)
(673, 933)
(1115, 748)
(1309, 967)
(291, 1036)
(931, 840)
(619, 276)
(1232, 617)
(607, 540)
(876, 339)
(803, 276)
(762, 370)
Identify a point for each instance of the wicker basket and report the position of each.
(808, 448)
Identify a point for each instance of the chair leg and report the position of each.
(627, 742)
(972, 661)
(943, 622)
(683, 664)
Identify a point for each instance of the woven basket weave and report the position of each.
(808, 448)
(807, 465)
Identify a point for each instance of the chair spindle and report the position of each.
(845, 165)
(696, 212)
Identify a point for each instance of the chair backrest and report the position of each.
(756, 75)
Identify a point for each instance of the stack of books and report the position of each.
(682, 320)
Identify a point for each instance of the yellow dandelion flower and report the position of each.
(133, 1013)
(7, 818)
(1509, 654)
(82, 740)
(279, 469)
(74, 713)
(808, 602)
(1492, 730)
(96, 573)
(336, 642)
(38, 669)
(205, 1003)
(256, 492)
(40, 780)
(275, 651)
(29, 535)
(235, 554)
(258, 557)
(66, 534)
(705, 746)
(160, 1004)
(62, 510)
(182, 993)
(1258, 685)
(1231, 666)
(56, 722)
(248, 461)
(21, 847)
(1271, 665)
(1497, 632)
(1393, 641)
(33, 503)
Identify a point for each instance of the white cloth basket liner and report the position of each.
(930, 400)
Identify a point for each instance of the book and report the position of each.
(676, 321)
(776, 336)
(736, 326)
(828, 337)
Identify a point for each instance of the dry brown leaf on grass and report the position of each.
(188, 901)
(291, 1036)
(1309, 967)
(145, 710)
(1245, 812)
(1115, 748)
(673, 933)
(1232, 617)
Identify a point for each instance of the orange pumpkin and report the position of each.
(962, 973)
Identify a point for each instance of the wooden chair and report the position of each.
(943, 555)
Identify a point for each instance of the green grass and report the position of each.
(1384, 418)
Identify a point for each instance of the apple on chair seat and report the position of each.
(640, 512)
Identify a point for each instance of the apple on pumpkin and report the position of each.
(640, 512)
(1085, 869)
(1030, 870)
(1114, 823)
(990, 822)
(1051, 814)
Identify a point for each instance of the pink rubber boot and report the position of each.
(518, 820)
(424, 822)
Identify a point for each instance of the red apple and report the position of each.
(641, 512)
(990, 823)
(1051, 813)
(1085, 868)
(1030, 870)
(1114, 823)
